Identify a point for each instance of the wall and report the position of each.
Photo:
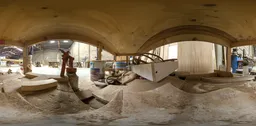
(45, 56)
(80, 51)
(168, 51)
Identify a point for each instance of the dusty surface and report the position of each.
(128, 26)
(141, 102)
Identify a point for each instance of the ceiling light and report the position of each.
(52, 41)
(65, 41)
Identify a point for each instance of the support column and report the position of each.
(27, 59)
(78, 50)
(127, 60)
(114, 58)
(30, 53)
(99, 51)
(219, 56)
(228, 53)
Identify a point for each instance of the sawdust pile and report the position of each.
(13, 108)
(139, 103)
(139, 85)
(60, 100)
(168, 104)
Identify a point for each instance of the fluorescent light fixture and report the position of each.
(52, 41)
(65, 41)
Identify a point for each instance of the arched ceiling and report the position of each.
(126, 26)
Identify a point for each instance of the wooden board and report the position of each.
(38, 85)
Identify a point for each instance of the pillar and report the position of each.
(127, 60)
(228, 56)
(25, 61)
(30, 53)
(99, 51)
(114, 58)
(219, 56)
(27, 58)
(78, 54)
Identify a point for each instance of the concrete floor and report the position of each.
(14, 68)
(60, 121)
(81, 72)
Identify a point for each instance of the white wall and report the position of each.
(78, 50)
(173, 51)
(81, 50)
(45, 56)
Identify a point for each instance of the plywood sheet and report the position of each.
(195, 57)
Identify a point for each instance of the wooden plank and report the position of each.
(228, 68)
(38, 85)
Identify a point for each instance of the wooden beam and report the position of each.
(127, 60)
(25, 57)
(99, 52)
(228, 65)
(89, 52)
(12, 43)
(243, 43)
(114, 58)
(128, 54)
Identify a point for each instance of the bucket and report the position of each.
(120, 65)
(97, 70)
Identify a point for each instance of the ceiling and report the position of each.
(53, 44)
(11, 52)
(129, 26)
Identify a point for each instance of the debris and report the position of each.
(223, 73)
(38, 64)
(227, 79)
(9, 71)
(127, 77)
(100, 84)
(84, 94)
(94, 103)
(121, 79)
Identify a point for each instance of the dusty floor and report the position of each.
(169, 102)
